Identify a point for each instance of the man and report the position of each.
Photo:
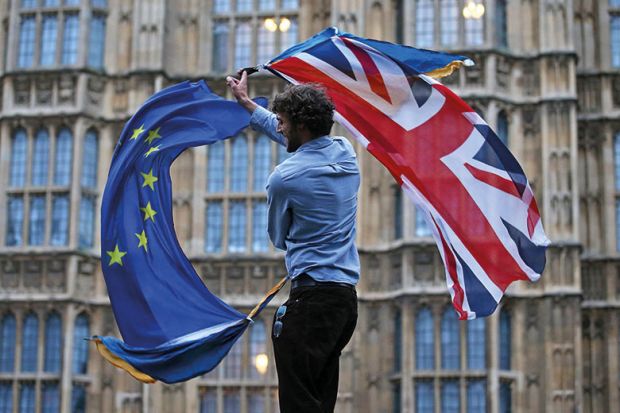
(312, 203)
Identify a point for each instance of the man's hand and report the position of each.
(239, 88)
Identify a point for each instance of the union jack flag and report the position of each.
(473, 192)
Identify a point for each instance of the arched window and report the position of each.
(262, 162)
(53, 343)
(260, 242)
(425, 23)
(37, 220)
(476, 344)
(424, 340)
(243, 44)
(220, 46)
(63, 158)
(236, 226)
(505, 336)
(70, 39)
(30, 343)
(501, 29)
(19, 155)
(86, 221)
(450, 396)
(232, 361)
(215, 167)
(90, 159)
(502, 127)
(398, 338)
(7, 343)
(450, 340)
(60, 220)
(213, 227)
(258, 350)
(614, 28)
(15, 220)
(96, 41)
(449, 22)
(81, 331)
(49, 29)
(40, 158)
(422, 229)
(27, 41)
(238, 168)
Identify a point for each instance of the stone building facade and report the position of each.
(547, 78)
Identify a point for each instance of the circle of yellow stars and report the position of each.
(116, 255)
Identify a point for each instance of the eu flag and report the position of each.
(173, 327)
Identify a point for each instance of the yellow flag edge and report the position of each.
(122, 364)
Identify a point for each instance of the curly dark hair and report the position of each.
(308, 105)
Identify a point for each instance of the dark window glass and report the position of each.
(96, 41)
(502, 127)
(398, 338)
(422, 229)
(476, 396)
(53, 343)
(236, 226)
(243, 45)
(19, 155)
(70, 37)
(86, 223)
(221, 6)
(47, 55)
(40, 158)
(102, 4)
(220, 47)
(27, 31)
(476, 344)
(60, 220)
(256, 401)
(266, 45)
(396, 396)
(398, 212)
(50, 402)
(450, 340)
(36, 235)
(238, 168)
(260, 241)
(232, 401)
(90, 160)
(449, 22)
(501, 23)
(618, 224)
(15, 221)
(6, 397)
(78, 398)
(614, 26)
(26, 398)
(28, 4)
(64, 157)
(262, 162)
(7, 343)
(215, 167)
(213, 226)
(450, 396)
(424, 340)
(424, 396)
(425, 23)
(81, 331)
(232, 362)
(505, 336)
(30, 343)
(505, 397)
(208, 401)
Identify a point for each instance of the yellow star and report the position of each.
(151, 150)
(148, 212)
(149, 179)
(143, 240)
(116, 256)
(137, 132)
(153, 134)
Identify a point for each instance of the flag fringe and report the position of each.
(446, 70)
(122, 364)
(270, 294)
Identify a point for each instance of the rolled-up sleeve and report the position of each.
(265, 121)
(278, 210)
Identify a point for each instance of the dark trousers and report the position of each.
(318, 323)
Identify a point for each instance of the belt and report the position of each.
(304, 280)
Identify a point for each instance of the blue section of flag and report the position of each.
(533, 255)
(415, 60)
(480, 301)
(168, 318)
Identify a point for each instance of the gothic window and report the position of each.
(30, 343)
(47, 55)
(6, 397)
(7, 343)
(425, 24)
(220, 47)
(88, 182)
(60, 220)
(266, 48)
(27, 30)
(70, 39)
(505, 397)
(81, 330)
(476, 395)
(614, 27)
(213, 236)
(502, 127)
(236, 226)
(476, 344)
(398, 337)
(260, 242)
(449, 22)
(15, 221)
(90, 160)
(50, 400)
(258, 349)
(40, 158)
(501, 23)
(450, 340)
(505, 337)
(26, 397)
(53, 343)
(96, 36)
(424, 340)
(398, 212)
(243, 44)
(232, 361)
(238, 168)
(262, 162)
(422, 229)
(78, 398)
(424, 396)
(474, 31)
(36, 234)
(215, 167)
(63, 159)
(86, 221)
(450, 396)
(221, 6)
(19, 158)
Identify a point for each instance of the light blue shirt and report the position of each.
(312, 203)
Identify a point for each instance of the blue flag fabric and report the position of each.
(173, 327)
